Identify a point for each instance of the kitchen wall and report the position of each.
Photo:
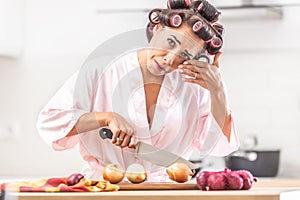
(260, 65)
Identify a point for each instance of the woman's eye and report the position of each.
(185, 56)
(171, 42)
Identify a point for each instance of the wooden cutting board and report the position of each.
(158, 186)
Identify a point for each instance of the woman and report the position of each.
(161, 94)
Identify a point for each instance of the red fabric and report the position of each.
(59, 184)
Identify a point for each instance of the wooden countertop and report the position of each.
(254, 194)
(271, 189)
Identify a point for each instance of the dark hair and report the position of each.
(200, 15)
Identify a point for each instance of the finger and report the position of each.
(133, 142)
(121, 137)
(217, 58)
(190, 73)
(191, 69)
(202, 83)
(194, 65)
(126, 141)
(116, 134)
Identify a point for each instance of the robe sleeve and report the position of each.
(64, 109)
(210, 139)
(223, 147)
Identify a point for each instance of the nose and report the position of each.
(171, 59)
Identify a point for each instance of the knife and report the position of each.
(152, 154)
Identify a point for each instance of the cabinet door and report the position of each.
(11, 27)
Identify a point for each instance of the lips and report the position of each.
(159, 66)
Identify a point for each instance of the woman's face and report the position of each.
(170, 47)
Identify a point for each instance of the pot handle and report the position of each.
(250, 142)
(249, 155)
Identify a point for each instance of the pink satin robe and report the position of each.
(182, 120)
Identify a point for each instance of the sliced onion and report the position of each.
(136, 173)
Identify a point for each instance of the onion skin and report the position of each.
(201, 179)
(179, 172)
(113, 173)
(234, 181)
(73, 179)
(248, 179)
(216, 181)
(136, 173)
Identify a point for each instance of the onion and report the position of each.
(248, 179)
(201, 179)
(73, 179)
(234, 181)
(225, 180)
(179, 172)
(216, 181)
(136, 173)
(113, 173)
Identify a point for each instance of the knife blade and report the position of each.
(152, 154)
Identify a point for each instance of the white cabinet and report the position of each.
(131, 5)
(11, 28)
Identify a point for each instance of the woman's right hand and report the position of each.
(123, 132)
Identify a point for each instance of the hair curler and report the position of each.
(203, 30)
(197, 26)
(214, 45)
(219, 28)
(154, 16)
(207, 10)
(179, 4)
(171, 19)
(175, 20)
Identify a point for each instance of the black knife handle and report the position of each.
(105, 133)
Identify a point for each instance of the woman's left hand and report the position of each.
(204, 74)
(208, 76)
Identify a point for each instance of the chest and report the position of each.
(151, 95)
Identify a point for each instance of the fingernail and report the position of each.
(185, 62)
(180, 66)
(180, 70)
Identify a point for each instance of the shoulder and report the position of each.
(128, 57)
(102, 64)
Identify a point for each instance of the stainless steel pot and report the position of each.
(261, 163)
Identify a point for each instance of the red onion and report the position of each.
(225, 180)
(234, 181)
(216, 181)
(201, 179)
(73, 179)
(248, 179)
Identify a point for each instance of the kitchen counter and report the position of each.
(270, 189)
(255, 193)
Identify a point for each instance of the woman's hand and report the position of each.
(123, 132)
(208, 76)
(204, 74)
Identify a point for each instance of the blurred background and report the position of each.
(43, 42)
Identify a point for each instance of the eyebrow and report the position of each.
(175, 38)
(186, 51)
